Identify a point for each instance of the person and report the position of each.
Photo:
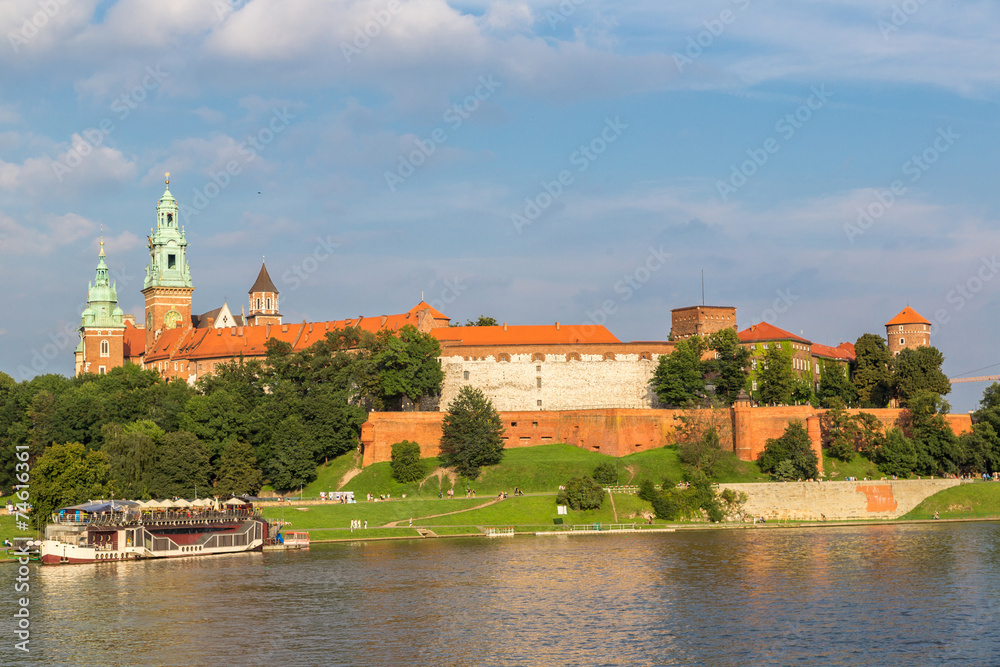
(822, 517)
(411, 522)
(936, 516)
(366, 524)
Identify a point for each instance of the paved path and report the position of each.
(395, 524)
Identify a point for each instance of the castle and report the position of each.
(520, 367)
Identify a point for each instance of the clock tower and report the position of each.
(167, 286)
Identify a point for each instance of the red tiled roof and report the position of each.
(907, 316)
(435, 313)
(553, 334)
(135, 340)
(849, 347)
(209, 343)
(765, 332)
(838, 353)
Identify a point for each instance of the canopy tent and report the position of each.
(203, 502)
(98, 506)
(236, 501)
(181, 502)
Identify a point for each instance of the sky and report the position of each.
(824, 164)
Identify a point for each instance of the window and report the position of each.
(101, 370)
(466, 375)
(538, 382)
(513, 424)
(170, 217)
(753, 364)
(902, 341)
(753, 385)
(764, 346)
(105, 348)
(171, 261)
(269, 303)
(538, 369)
(539, 402)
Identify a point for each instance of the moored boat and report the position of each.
(114, 531)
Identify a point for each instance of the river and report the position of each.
(865, 595)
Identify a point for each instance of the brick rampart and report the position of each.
(612, 431)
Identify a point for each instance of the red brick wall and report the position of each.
(615, 432)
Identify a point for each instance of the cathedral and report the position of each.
(520, 367)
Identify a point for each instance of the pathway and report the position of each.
(395, 524)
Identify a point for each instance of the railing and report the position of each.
(500, 532)
(601, 527)
(630, 490)
(170, 517)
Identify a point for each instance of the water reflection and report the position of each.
(861, 595)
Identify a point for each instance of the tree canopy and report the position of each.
(776, 380)
(872, 374)
(471, 433)
(729, 365)
(679, 379)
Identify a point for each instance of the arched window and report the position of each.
(258, 304)
(105, 348)
(269, 303)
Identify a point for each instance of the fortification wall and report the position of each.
(561, 380)
(883, 499)
(611, 431)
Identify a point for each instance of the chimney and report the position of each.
(267, 331)
(504, 326)
(557, 326)
(384, 318)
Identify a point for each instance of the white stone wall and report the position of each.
(590, 382)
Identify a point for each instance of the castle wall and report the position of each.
(558, 379)
(811, 501)
(615, 432)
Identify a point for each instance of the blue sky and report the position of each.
(824, 163)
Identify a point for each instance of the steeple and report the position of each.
(102, 299)
(263, 299)
(167, 285)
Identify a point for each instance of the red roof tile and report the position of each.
(524, 335)
(765, 332)
(907, 316)
(838, 353)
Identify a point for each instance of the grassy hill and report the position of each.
(966, 501)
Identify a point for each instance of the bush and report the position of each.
(406, 465)
(606, 473)
(793, 446)
(647, 490)
(581, 493)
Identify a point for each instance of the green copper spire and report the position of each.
(168, 266)
(102, 299)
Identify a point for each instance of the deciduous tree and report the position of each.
(679, 379)
(471, 433)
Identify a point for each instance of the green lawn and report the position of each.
(966, 501)
(859, 467)
(336, 515)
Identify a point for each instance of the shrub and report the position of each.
(606, 473)
(647, 490)
(793, 446)
(668, 506)
(406, 465)
(581, 493)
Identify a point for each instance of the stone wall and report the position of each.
(557, 377)
(883, 499)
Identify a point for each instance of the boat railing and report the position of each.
(170, 517)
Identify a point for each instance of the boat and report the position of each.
(288, 540)
(121, 530)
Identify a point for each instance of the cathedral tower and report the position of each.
(102, 329)
(167, 286)
(263, 300)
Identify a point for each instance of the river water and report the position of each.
(866, 595)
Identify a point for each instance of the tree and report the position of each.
(776, 380)
(841, 431)
(729, 365)
(937, 447)
(238, 472)
(406, 465)
(581, 493)
(66, 475)
(133, 451)
(679, 379)
(409, 366)
(182, 468)
(291, 465)
(835, 383)
(606, 473)
(793, 446)
(897, 455)
(481, 321)
(871, 372)
(919, 371)
(471, 433)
